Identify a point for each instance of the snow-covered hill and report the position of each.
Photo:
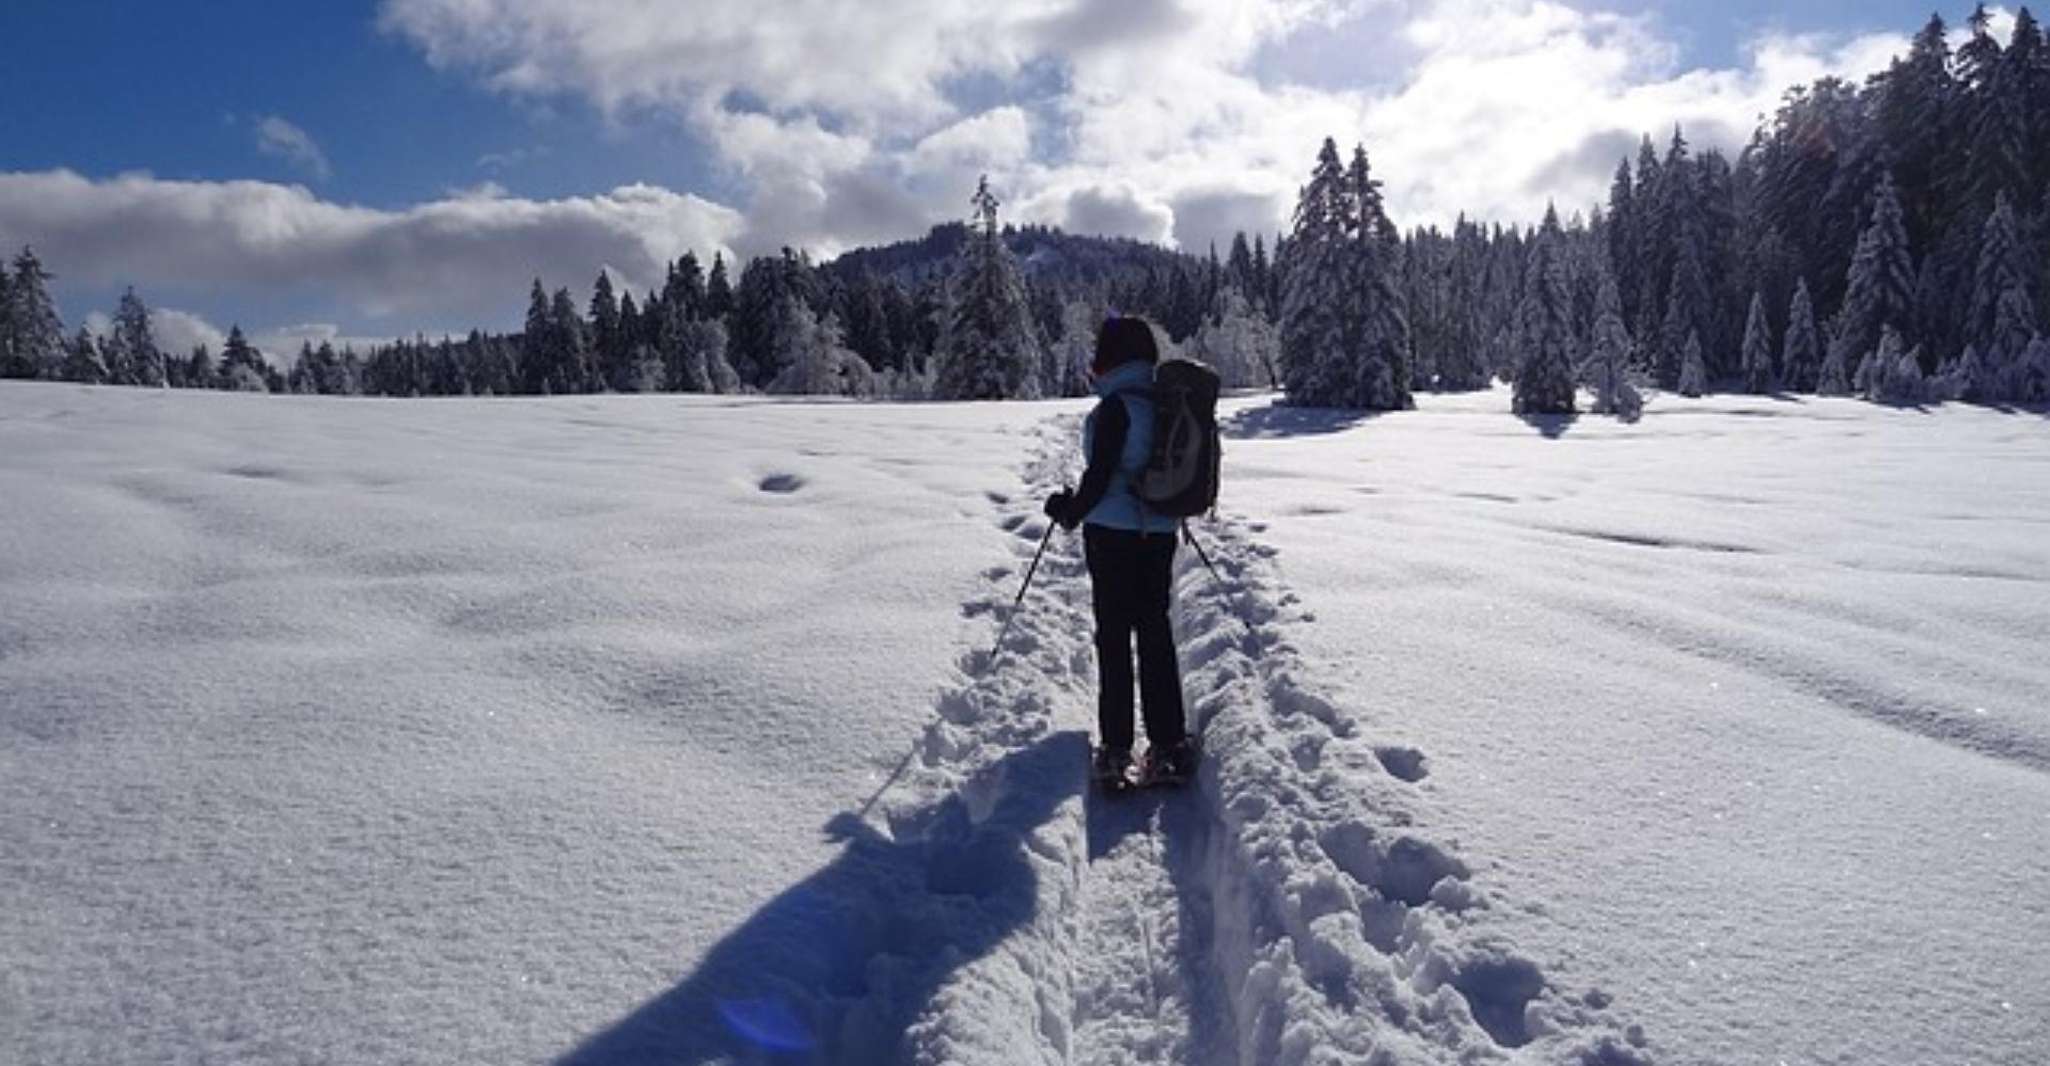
(634, 729)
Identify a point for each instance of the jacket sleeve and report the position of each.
(1107, 449)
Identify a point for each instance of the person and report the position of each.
(1130, 554)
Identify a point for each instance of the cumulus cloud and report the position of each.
(472, 255)
(1169, 119)
(839, 124)
(277, 137)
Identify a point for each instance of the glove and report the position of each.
(1060, 507)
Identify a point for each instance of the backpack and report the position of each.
(1180, 478)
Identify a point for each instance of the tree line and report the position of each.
(918, 319)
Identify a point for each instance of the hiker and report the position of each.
(1130, 551)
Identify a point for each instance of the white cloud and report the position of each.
(843, 124)
(277, 137)
(1156, 107)
(466, 257)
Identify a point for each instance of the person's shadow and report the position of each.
(836, 967)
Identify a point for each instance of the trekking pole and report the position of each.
(998, 649)
(1190, 537)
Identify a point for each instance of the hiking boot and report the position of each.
(1111, 768)
(1169, 765)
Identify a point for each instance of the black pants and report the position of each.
(1131, 578)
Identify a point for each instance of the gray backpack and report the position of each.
(1180, 478)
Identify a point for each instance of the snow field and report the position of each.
(1745, 703)
(340, 731)
(346, 731)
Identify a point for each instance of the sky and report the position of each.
(363, 170)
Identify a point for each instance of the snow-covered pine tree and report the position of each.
(574, 369)
(1996, 120)
(993, 350)
(1758, 376)
(609, 344)
(1315, 334)
(33, 326)
(1623, 239)
(142, 362)
(537, 352)
(6, 322)
(83, 364)
(1916, 112)
(817, 362)
(2002, 317)
(1544, 379)
(242, 366)
(718, 289)
(1379, 371)
(2030, 382)
(1242, 346)
(1892, 373)
(200, 372)
(1967, 378)
(1693, 368)
(1881, 285)
(1801, 360)
(1462, 365)
(1607, 367)
(1904, 381)
(1685, 300)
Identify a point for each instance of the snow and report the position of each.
(631, 729)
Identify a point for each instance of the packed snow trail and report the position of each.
(1284, 908)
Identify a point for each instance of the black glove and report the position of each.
(1060, 507)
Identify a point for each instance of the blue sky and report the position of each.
(375, 168)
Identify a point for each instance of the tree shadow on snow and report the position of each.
(836, 967)
(1279, 420)
(1551, 426)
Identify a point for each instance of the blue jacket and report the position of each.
(1124, 416)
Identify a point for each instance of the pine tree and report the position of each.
(37, 334)
(1380, 371)
(1461, 365)
(609, 346)
(1890, 374)
(1997, 151)
(1881, 285)
(142, 361)
(2030, 382)
(1242, 346)
(718, 290)
(6, 323)
(83, 364)
(1544, 377)
(199, 369)
(992, 349)
(242, 366)
(572, 367)
(1800, 362)
(1915, 111)
(1607, 367)
(2002, 317)
(1758, 377)
(1685, 310)
(1693, 369)
(537, 352)
(1623, 239)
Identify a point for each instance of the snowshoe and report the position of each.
(1111, 771)
(1168, 767)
